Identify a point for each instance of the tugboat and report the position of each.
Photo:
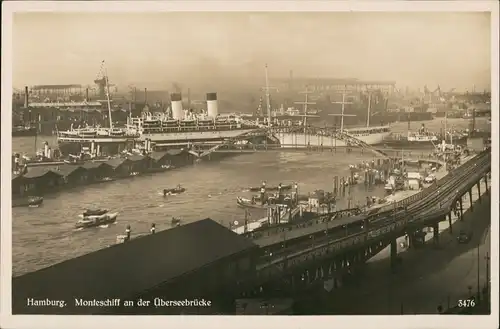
(96, 217)
(174, 191)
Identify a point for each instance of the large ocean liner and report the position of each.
(176, 128)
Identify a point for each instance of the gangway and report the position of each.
(230, 141)
(350, 140)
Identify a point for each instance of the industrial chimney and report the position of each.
(177, 111)
(212, 107)
(26, 97)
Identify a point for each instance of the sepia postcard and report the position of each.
(249, 163)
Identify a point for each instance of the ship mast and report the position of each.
(268, 102)
(342, 115)
(306, 92)
(107, 96)
(370, 91)
(268, 99)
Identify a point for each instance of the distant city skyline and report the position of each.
(154, 50)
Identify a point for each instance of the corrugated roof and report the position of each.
(93, 165)
(127, 269)
(115, 162)
(35, 172)
(175, 152)
(136, 157)
(157, 155)
(66, 169)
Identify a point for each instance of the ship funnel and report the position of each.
(212, 107)
(26, 99)
(46, 149)
(177, 111)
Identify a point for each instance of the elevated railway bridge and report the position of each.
(327, 249)
(266, 138)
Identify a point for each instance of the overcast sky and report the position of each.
(450, 49)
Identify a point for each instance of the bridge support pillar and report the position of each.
(470, 199)
(449, 222)
(461, 209)
(478, 191)
(486, 182)
(394, 254)
(435, 231)
(409, 239)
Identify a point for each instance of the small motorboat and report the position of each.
(96, 220)
(93, 212)
(249, 203)
(31, 201)
(174, 191)
(35, 201)
(270, 188)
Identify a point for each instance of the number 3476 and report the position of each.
(466, 303)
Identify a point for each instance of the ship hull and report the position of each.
(107, 147)
(193, 137)
(292, 140)
(114, 145)
(403, 143)
(409, 144)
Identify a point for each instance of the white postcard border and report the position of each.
(405, 321)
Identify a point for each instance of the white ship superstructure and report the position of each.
(185, 127)
(178, 127)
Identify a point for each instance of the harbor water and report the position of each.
(46, 235)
